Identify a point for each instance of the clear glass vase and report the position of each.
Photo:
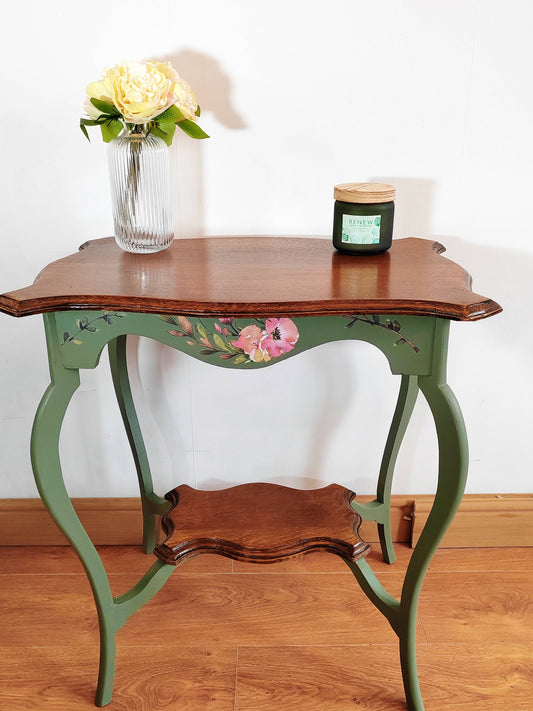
(140, 192)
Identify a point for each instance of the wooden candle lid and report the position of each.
(365, 192)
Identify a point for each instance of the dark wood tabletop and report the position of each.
(255, 276)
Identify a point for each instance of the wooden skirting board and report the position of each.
(482, 521)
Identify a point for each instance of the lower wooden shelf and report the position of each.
(260, 523)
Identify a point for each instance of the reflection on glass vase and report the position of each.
(140, 192)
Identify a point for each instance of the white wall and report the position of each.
(435, 97)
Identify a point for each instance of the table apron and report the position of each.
(413, 345)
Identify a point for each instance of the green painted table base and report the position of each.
(416, 348)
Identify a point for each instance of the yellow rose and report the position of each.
(139, 90)
(184, 95)
(102, 90)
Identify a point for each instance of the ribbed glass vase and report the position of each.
(140, 192)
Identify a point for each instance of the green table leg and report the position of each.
(152, 505)
(379, 509)
(417, 352)
(48, 476)
(453, 466)
(112, 612)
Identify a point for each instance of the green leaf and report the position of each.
(240, 359)
(197, 112)
(105, 107)
(171, 115)
(221, 343)
(201, 330)
(165, 131)
(84, 131)
(168, 319)
(192, 129)
(111, 129)
(90, 122)
(78, 343)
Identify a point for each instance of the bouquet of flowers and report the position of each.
(142, 97)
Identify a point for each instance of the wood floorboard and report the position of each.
(173, 678)
(452, 677)
(482, 559)
(278, 610)
(468, 607)
(238, 637)
(54, 560)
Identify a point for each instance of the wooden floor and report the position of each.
(225, 636)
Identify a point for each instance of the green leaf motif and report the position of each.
(221, 343)
(192, 129)
(201, 330)
(238, 360)
(168, 319)
(165, 131)
(171, 115)
(105, 107)
(111, 129)
(84, 131)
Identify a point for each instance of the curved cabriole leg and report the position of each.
(453, 465)
(151, 503)
(402, 415)
(49, 480)
(379, 509)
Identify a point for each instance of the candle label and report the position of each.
(361, 229)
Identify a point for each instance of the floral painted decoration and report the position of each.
(142, 97)
(257, 342)
(392, 326)
(84, 324)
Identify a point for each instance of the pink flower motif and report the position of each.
(220, 330)
(279, 337)
(226, 320)
(250, 342)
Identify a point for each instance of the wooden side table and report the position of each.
(245, 303)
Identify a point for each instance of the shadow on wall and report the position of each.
(413, 206)
(503, 275)
(213, 91)
(212, 87)
(491, 269)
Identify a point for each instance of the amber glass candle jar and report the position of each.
(363, 217)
